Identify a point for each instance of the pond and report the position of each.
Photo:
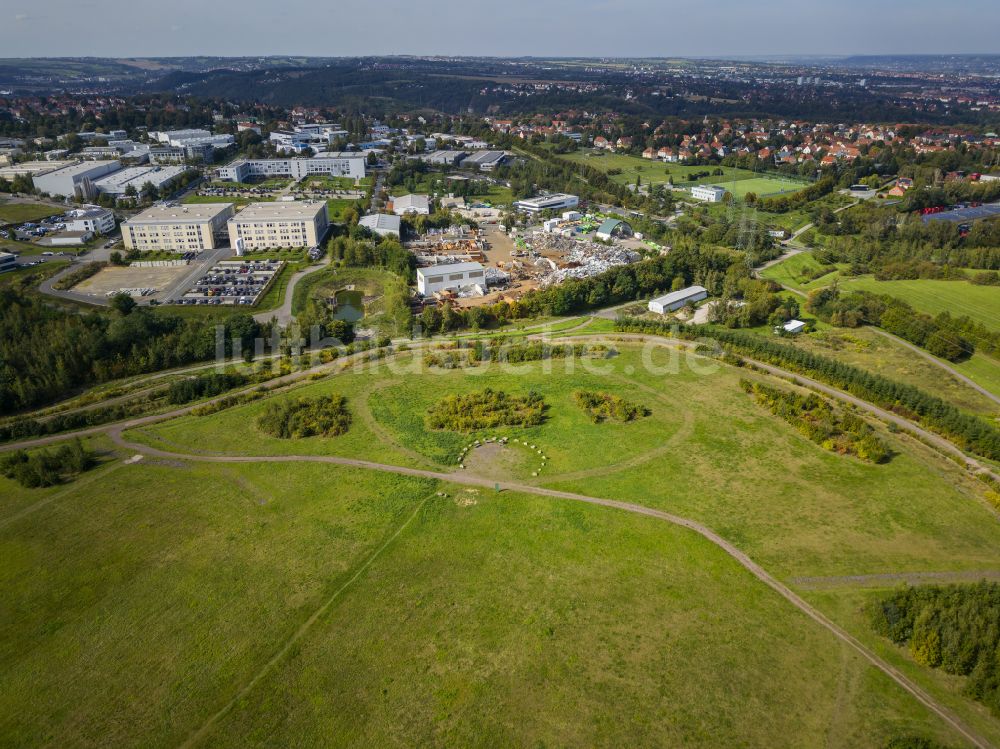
(350, 305)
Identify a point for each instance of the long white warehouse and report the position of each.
(677, 299)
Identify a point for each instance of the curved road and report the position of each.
(284, 313)
(743, 559)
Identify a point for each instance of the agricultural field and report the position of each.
(314, 603)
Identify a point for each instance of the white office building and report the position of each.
(450, 277)
(8, 261)
(178, 228)
(330, 163)
(556, 202)
(677, 299)
(282, 223)
(91, 219)
(709, 193)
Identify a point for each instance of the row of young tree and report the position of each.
(969, 432)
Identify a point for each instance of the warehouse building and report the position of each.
(383, 224)
(411, 204)
(614, 228)
(329, 163)
(178, 228)
(710, 193)
(556, 202)
(76, 179)
(677, 299)
(267, 225)
(451, 277)
(485, 161)
(137, 176)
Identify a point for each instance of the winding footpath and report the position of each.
(705, 532)
(115, 432)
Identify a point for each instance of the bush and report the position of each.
(45, 468)
(603, 406)
(325, 416)
(486, 410)
(814, 417)
(204, 386)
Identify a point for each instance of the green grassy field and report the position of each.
(791, 273)
(762, 186)
(981, 303)
(289, 604)
(16, 213)
(313, 605)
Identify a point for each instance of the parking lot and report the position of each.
(233, 282)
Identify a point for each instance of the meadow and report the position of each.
(16, 213)
(269, 603)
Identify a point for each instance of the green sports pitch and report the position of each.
(762, 187)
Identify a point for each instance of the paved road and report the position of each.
(705, 532)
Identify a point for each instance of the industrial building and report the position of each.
(332, 164)
(555, 202)
(451, 277)
(76, 179)
(8, 261)
(91, 219)
(183, 138)
(136, 177)
(710, 193)
(411, 204)
(33, 168)
(383, 224)
(485, 161)
(267, 225)
(677, 299)
(178, 228)
(179, 154)
(449, 158)
(614, 228)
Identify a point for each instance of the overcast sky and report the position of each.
(111, 28)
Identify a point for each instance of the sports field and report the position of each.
(304, 603)
(652, 172)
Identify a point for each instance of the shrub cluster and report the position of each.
(486, 410)
(603, 406)
(502, 350)
(47, 468)
(20, 429)
(843, 433)
(325, 416)
(951, 627)
(79, 275)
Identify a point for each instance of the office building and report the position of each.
(178, 228)
(330, 163)
(709, 193)
(282, 223)
(91, 219)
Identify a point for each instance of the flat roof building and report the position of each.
(383, 224)
(90, 218)
(677, 299)
(334, 164)
(485, 161)
(547, 203)
(450, 277)
(710, 193)
(283, 223)
(411, 204)
(177, 228)
(137, 176)
(8, 261)
(76, 179)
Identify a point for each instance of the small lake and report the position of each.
(350, 305)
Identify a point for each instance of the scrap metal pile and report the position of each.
(577, 259)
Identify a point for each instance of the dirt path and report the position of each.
(937, 362)
(743, 559)
(889, 579)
